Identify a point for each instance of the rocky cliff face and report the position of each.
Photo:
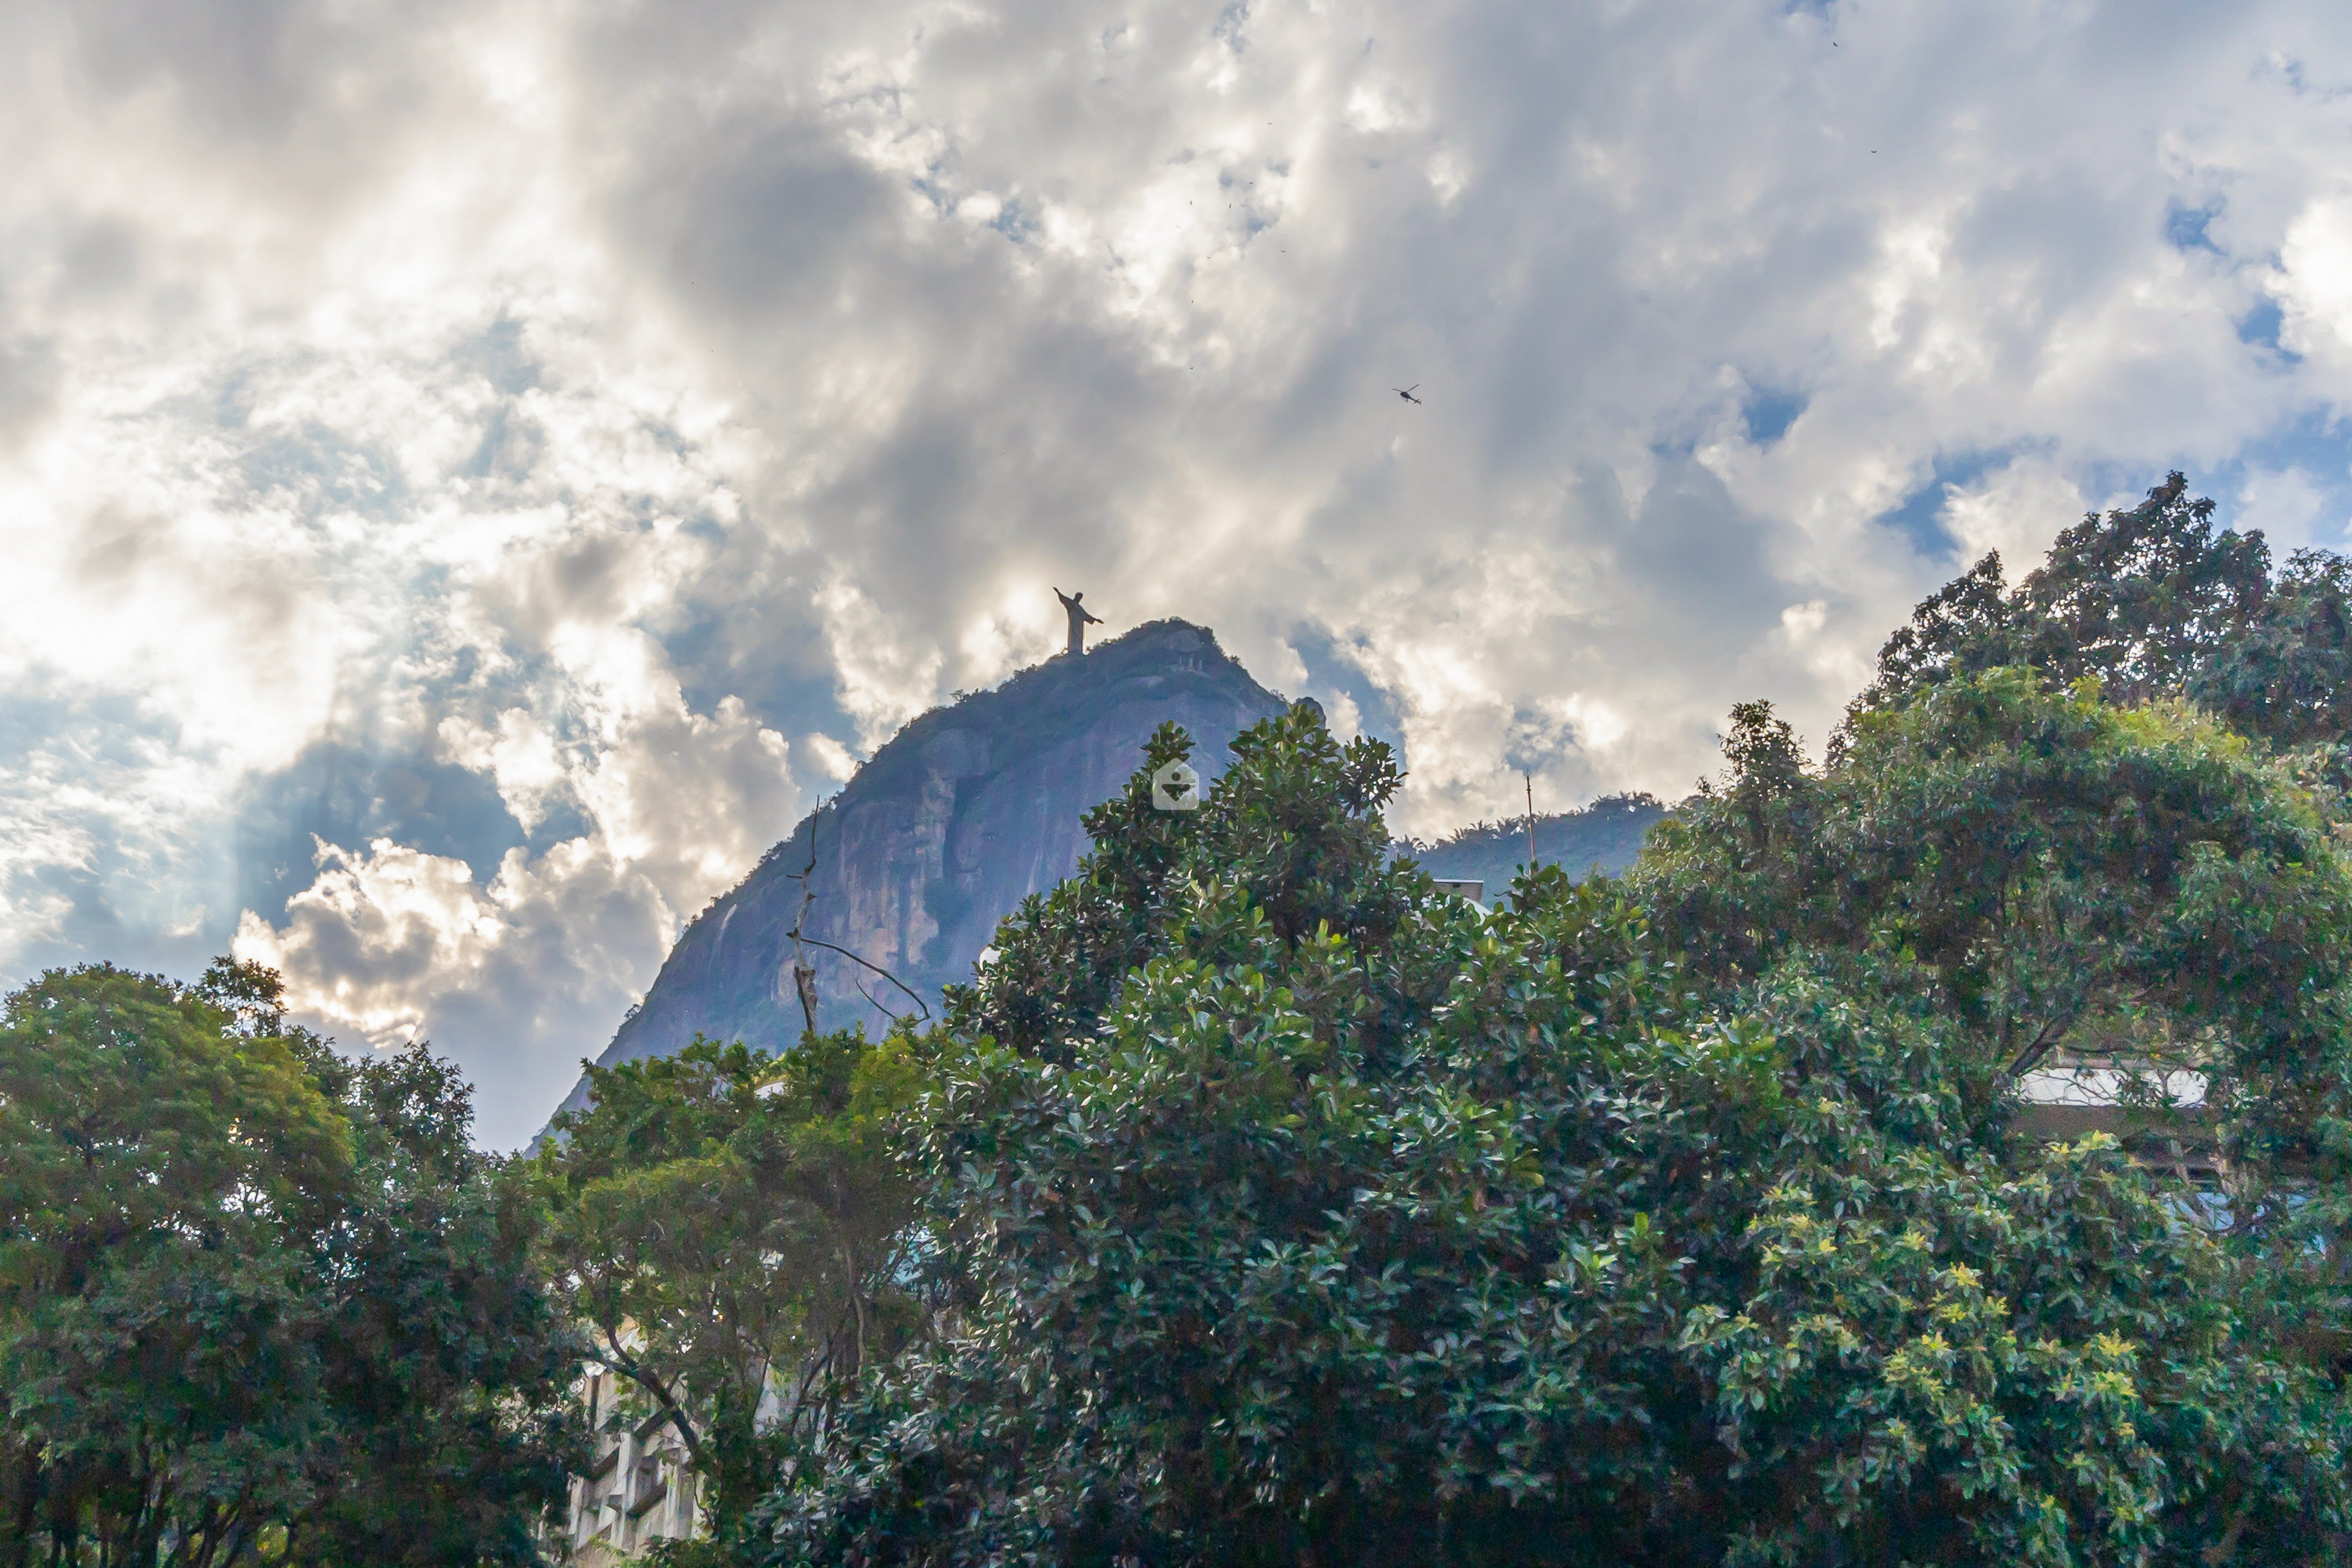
(966, 812)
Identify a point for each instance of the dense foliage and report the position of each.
(259, 1303)
(1292, 1213)
(728, 1230)
(2073, 873)
(2150, 603)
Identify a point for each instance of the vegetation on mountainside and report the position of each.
(259, 1303)
(1605, 836)
(1046, 704)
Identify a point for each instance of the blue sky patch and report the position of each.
(1332, 670)
(1769, 410)
(2260, 326)
(2185, 227)
(1920, 517)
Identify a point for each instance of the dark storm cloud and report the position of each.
(756, 225)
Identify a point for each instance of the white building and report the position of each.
(639, 1490)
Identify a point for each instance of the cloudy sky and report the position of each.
(472, 474)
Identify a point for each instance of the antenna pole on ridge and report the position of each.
(1528, 779)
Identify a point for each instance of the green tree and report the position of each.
(1289, 1213)
(2072, 871)
(446, 1360)
(2137, 886)
(258, 1303)
(728, 1230)
(2150, 603)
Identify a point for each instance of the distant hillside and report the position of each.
(967, 811)
(1605, 836)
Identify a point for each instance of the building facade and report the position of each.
(639, 1490)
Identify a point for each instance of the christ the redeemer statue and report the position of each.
(1079, 621)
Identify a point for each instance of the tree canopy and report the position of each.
(259, 1303)
(2150, 601)
(1290, 1213)
(2070, 869)
(729, 1232)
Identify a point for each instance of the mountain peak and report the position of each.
(969, 809)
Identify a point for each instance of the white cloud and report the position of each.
(368, 944)
(2289, 506)
(885, 679)
(388, 940)
(2315, 282)
(520, 754)
(2018, 509)
(488, 429)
